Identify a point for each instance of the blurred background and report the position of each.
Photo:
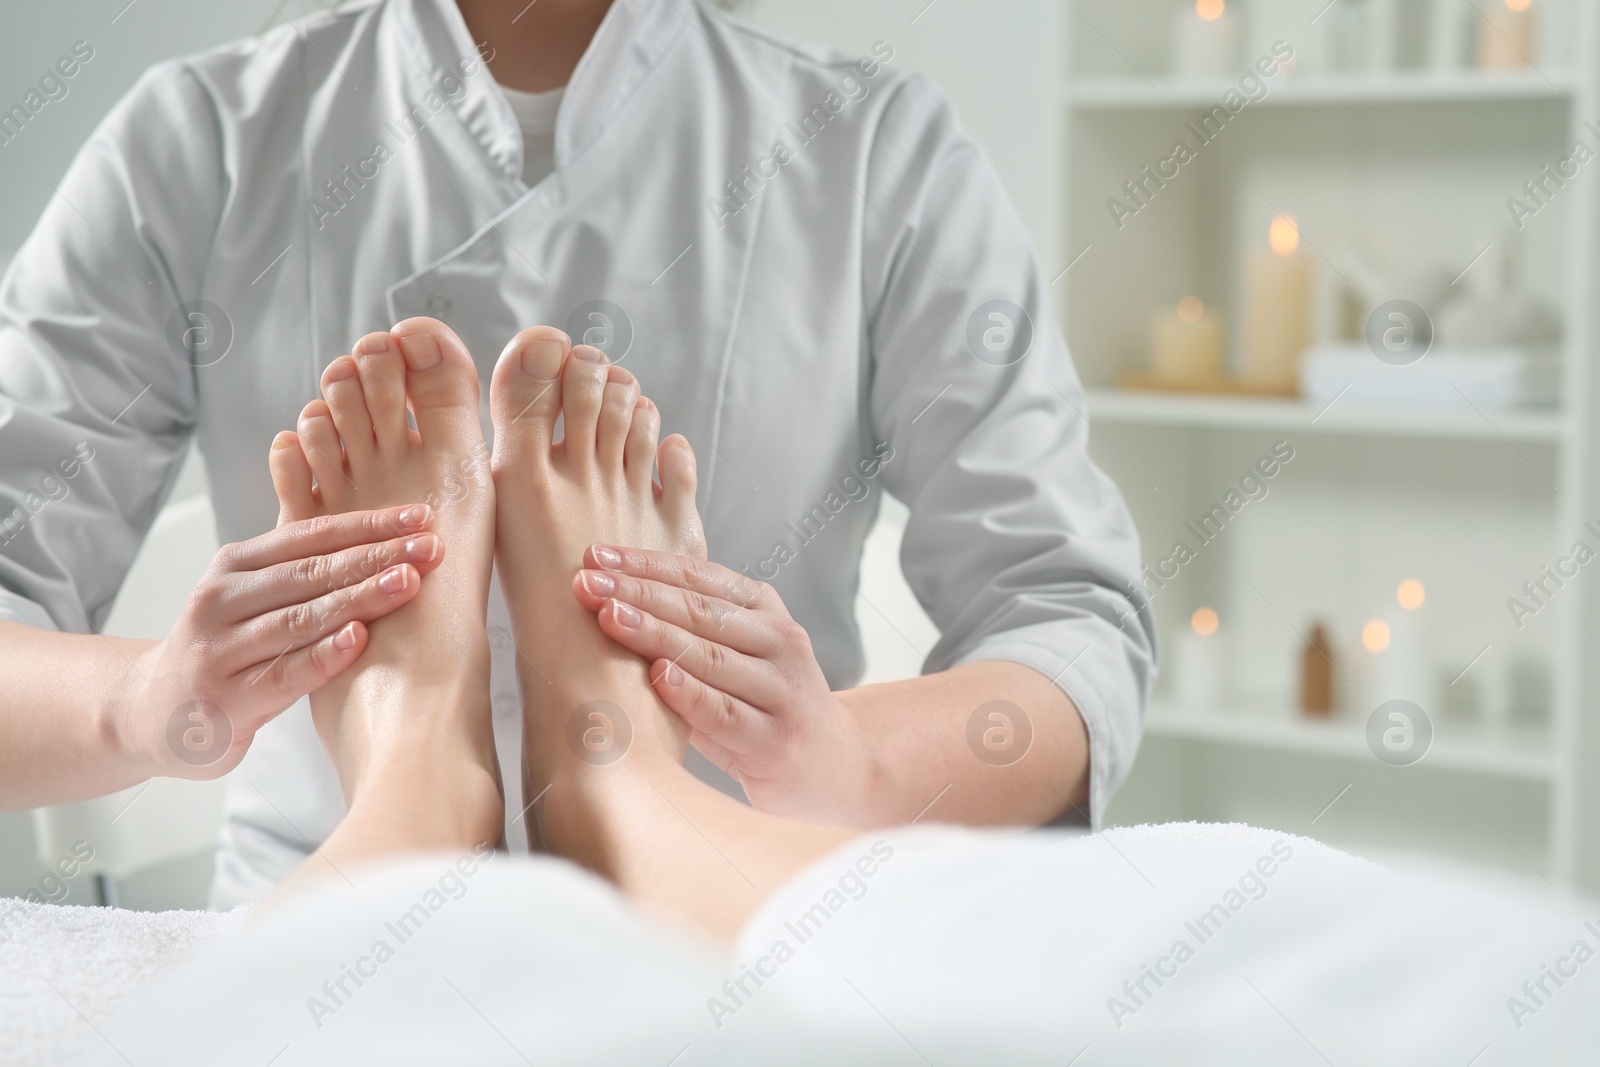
(1327, 270)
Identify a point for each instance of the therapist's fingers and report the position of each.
(290, 675)
(641, 633)
(328, 533)
(705, 616)
(299, 625)
(304, 580)
(732, 725)
(686, 572)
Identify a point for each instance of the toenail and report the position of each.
(609, 558)
(590, 354)
(339, 370)
(542, 359)
(414, 517)
(421, 351)
(598, 585)
(393, 580)
(371, 346)
(345, 639)
(627, 615)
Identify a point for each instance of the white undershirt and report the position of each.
(536, 114)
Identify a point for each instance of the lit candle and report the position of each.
(1205, 41)
(1402, 669)
(1199, 659)
(1186, 344)
(1277, 313)
(1508, 36)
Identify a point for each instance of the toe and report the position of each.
(583, 384)
(675, 459)
(640, 452)
(291, 478)
(525, 392)
(341, 388)
(320, 443)
(383, 387)
(441, 381)
(616, 415)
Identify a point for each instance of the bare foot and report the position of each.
(593, 486)
(420, 690)
(600, 748)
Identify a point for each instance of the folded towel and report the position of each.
(66, 971)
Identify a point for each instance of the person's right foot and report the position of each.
(421, 685)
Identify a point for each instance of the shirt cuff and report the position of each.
(15, 608)
(1088, 667)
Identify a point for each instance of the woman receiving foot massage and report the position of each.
(541, 627)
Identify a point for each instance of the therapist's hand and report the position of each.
(726, 656)
(272, 620)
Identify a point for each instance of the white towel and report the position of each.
(65, 972)
(914, 946)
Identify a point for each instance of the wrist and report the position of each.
(868, 779)
(116, 720)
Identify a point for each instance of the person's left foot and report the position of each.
(422, 684)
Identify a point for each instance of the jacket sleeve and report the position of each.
(97, 386)
(1018, 546)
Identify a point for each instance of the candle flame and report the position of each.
(1204, 622)
(1284, 235)
(1211, 10)
(1375, 636)
(1411, 594)
(1191, 310)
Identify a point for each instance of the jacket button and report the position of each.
(439, 304)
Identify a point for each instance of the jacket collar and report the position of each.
(631, 40)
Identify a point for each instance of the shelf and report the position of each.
(1244, 413)
(1419, 88)
(1510, 756)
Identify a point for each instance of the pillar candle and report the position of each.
(1403, 670)
(1508, 35)
(1186, 344)
(1205, 41)
(1277, 308)
(1201, 660)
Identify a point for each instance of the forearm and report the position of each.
(925, 756)
(59, 735)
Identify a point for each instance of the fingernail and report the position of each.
(627, 615)
(284, 439)
(345, 639)
(542, 359)
(421, 351)
(373, 344)
(598, 585)
(609, 558)
(415, 517)
(672, 676)
(393, 580)
(422, 549)
(590, 354)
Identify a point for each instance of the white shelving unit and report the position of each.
(1418, 165)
